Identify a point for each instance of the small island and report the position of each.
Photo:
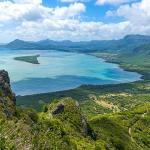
(29, 59)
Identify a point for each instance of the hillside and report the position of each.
(62, 125)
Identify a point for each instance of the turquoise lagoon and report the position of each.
(60, 71)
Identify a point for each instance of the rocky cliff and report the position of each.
(7, 97)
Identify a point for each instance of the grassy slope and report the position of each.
(128, 130)
(29, 59)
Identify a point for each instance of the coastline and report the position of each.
(137, 79)
(143, 75)
(124, 68)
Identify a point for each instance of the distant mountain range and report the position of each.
(127, 44)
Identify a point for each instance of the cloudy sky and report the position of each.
(76, 20)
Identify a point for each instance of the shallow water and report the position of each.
(60, 71)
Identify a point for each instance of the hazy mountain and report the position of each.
(143, 49)
(20, 44)
(128, 43)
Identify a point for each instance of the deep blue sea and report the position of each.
(60, 71)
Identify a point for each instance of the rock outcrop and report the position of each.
(59, 108)
(69, 112)
(7, 97)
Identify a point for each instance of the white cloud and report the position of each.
(33, 18)
(113, 2)
(23, 1)
(137, 13)
(70, 11)
(20, 12)
(30, 21)
(31, 12)
(28, 1)
(72, 1)
(70, 29)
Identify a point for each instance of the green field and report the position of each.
(29, 59)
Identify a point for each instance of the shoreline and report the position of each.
(143, 75)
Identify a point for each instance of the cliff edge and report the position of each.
(7, 97)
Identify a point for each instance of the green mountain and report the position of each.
(63, 125)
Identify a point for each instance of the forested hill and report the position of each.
(63, 125)
(127, 44)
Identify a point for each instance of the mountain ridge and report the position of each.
(126, 44)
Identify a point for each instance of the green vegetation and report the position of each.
(30, 59)
(125, 130)
(68, 129)
(122, 96)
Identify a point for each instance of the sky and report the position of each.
(76, 20)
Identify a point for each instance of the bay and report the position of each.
(60, 71)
